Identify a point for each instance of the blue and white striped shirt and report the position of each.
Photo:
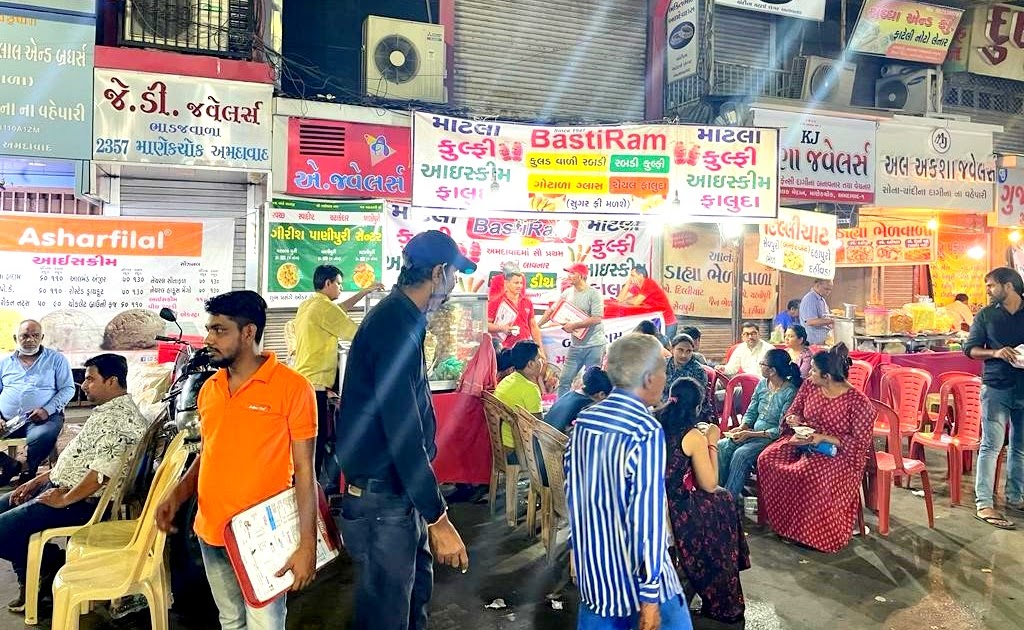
(615, 486)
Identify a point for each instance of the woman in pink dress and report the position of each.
(808, 496)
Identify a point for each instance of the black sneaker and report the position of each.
(9, 469)
(17, 604)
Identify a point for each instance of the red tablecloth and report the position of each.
(463, 448)
(933, 362)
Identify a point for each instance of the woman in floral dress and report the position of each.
(682, 364)
(710, 547)
(810, 497)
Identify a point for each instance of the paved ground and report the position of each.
(963, 575)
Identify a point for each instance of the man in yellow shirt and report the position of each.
(319, 324)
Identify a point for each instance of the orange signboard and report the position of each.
(99, 235)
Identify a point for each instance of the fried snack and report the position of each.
(919, 254)
(542, 203)
(793, 260)
(288, 275)
(858, 254)
(363, 275)
(900, 323)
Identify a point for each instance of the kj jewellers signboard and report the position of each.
(170, 119)
(46, 63)
(692, 172)
(822, 158)
(803, 9)
(935, 167)
(330, 158)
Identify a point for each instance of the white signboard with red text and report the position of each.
(170, 119)
(693, 172)
(96, 283)
(542, 247)
(1010, 197)
(823, 158)
(799, 242)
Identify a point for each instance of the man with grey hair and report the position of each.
(615, 486)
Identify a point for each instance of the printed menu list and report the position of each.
(98, 283)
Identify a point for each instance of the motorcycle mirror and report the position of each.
(168, 315)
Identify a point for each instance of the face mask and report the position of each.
(440, 293)
(29, 353)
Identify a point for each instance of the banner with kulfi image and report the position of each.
(97, 283)
(541, 246)
(300, 235)
(699, 268)
(799, 242)
(879, 242)
(710, 173)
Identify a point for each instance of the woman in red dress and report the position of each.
(810, 497)
(508, 292)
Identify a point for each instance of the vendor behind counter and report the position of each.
(641, 290)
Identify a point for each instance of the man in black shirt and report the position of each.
(997, 331)
(392, 507)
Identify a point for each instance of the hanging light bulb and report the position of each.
(976, 253)
(730, 230)
(933, 224)
(1014, 236)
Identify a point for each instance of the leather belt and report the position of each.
(373, 486)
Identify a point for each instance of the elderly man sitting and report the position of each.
(67, 494)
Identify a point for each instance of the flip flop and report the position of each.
(996, 521)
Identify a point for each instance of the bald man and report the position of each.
(35, 385)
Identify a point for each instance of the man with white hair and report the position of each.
(615, 486)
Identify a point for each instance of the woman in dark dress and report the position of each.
(706, 524)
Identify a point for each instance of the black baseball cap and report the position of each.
(433, 247)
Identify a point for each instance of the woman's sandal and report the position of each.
(996, 521)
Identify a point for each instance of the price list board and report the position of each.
(97, 283)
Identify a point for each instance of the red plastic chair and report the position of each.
(940, 423)
(892, 466)
(728, 353)
(860, 374)
(905, 389)
(733, 417)
(966, 438)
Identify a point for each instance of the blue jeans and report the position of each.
(234, 613)
(40, 440)
(735, 462)
(19, 522)
(575, 360)
(674, 616)
(999, 408)
(387, 539)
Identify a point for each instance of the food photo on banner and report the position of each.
(699, 271)
(97, 283)
(540, 247)
(300, 235)
(880, 241)
(799, 242)
(697, 172)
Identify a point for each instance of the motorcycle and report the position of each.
(191, 370)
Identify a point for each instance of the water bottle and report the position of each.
(824, 448)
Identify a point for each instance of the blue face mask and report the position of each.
(439, 294)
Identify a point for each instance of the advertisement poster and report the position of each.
(801, 9)
(939, 168)
(542, 248)
(1010, 197)
(960, 50)
(301, 235)
(995, 46)
(710, 173)
(97, 283)
(556, 341)
(911, 31)
(46, 105)
(823, 158)
(683, 36)
(170, 119)
(955, 272)
(698, 272)
(879, 242)
(799, 242)
(331, 158)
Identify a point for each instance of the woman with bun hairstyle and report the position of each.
(519, 388)
(809, 496)
(762, 424)
(711, 549)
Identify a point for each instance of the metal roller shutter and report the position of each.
(274, 337)
(584, 60)
(897, 286)
(743, 38)
(144, 197)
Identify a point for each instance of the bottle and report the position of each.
(824, 448)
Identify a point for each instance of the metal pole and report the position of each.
(737, 287)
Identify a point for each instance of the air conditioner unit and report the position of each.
(828, 81)
(403, 60)
(191, 24)
(910, 89)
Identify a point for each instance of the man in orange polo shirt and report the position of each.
(258, 424)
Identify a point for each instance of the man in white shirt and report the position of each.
(748, 355)
(962, 314)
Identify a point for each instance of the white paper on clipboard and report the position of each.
(504, 316)
(564, 312)
(266, 535)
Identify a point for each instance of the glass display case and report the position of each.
(453, 336)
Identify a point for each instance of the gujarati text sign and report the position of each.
(799, 242)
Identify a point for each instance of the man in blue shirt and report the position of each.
(789, 316)
(615, 489)
(596, 388)
(814, 313)
(36, 383)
